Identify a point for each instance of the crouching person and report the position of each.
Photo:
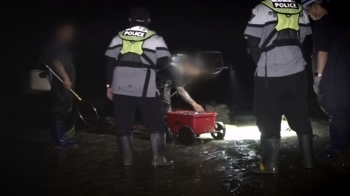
(171, 77)
(134, 56)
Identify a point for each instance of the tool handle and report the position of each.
(60, 79)
(219, 70)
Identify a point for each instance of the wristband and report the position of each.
(318, 74)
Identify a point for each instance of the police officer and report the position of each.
(274, 33)
(134, 56)
(59, 57)
(173, 76)
(332, 72)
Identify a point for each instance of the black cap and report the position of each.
(139, 14)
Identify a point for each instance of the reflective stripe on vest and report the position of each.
(288, 14)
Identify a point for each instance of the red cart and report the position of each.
(189, 124)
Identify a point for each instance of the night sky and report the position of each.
(186, 26)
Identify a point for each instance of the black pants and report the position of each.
(339, 127)
(149, 108)
(166, 101)
(274, 97)
(339, 118)
(334, 99)
(61, 106)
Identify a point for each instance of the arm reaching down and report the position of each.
(187, 98)
(112, 54)
(111, 64)
(253, 44)
(184, 95)
(254, 31)
(321, 61)
(322, 43)
(322, 58)
(176, 78)
(59, 68)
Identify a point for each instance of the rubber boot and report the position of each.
(269, 155)
(125, 144)
(340, 141)
(330, 153)
(68, 138)
(57, 135)
(306, 148)
(158, 149)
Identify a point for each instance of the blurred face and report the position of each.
(66, 34)
(314, 11)
(191, 70)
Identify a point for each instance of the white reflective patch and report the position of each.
(175, 58)
(288, 5)
(134, 33)
(254, 12)
(138, 28)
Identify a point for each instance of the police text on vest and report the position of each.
(134, 33)
(289, 4)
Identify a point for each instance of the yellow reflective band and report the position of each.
(287, 22)
(132, 47)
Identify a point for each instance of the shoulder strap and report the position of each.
(277, 43)
(267, 41)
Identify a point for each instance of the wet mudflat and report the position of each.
(208, 167)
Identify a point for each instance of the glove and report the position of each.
(317, 81)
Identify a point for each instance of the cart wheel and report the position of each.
(169, 134)
(186, 135)
(220, 131)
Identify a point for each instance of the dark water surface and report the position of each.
(208, 167)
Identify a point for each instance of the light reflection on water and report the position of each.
(250, 132)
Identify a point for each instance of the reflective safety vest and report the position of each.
(132, 46)
(287, 27)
